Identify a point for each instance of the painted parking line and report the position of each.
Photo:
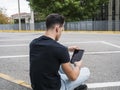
(7, 40)
(105, 52)
(104, 42)
(20, 45)
(77, 42)
(90, 85)
(104, 84)
(15, 56)
(111, 44)
(15, 45)
(86, 53)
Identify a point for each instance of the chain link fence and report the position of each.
(77, 26)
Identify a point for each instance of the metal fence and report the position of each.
(81, 25)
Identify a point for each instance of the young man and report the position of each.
(46, 57)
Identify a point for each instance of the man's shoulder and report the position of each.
(48, 42)
(60, 45)
(37, 40)
(60, 48)
(34, 41)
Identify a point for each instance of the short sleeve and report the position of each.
(63, 55)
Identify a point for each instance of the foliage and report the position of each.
(3, 17)
(71, 9)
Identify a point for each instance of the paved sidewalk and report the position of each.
(7, 85)
(102, 56)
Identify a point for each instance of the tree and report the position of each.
(3, 17)
(72, 9)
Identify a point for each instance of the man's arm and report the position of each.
(72, 48)
(72, 72)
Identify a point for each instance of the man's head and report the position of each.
(55, 22)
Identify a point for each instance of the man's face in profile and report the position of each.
(60, 29)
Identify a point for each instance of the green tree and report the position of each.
(72, 9)
(3, 17)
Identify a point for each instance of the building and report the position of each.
(110, 12)
(25, 18)
(114, 10)
(114, 15)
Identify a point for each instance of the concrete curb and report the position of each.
(95, 32)
(19, 82)
(67, 31)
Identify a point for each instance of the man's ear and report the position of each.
(57, 28)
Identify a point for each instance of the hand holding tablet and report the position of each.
(77, 55)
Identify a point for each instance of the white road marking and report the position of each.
(90, 85)
(87, 53)
(20, 45)
(77, 42)
(15, 40)
(110, 44)
(15, 56)
(105, 84)
(16, 45)
(105, 52)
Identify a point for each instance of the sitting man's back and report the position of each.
(50, 67)
(46, 55)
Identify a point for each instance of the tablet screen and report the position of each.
(77, 55)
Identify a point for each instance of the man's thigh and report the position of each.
(70, 85)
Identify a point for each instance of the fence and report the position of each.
(81, 25)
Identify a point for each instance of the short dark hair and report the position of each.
(53, 19)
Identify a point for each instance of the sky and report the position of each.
(11, 6)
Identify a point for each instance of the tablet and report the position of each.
(77, 55)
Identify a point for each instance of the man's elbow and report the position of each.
(73, 78)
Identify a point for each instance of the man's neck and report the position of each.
(50, 34)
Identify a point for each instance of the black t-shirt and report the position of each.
(46, 56)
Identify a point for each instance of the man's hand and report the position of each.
(78, 63)
(72, 48)
(72, 72)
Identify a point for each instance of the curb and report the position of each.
(95, 32)
(67, 31)
(19, 82)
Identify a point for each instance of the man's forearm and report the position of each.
(72, 48)
(76, 70)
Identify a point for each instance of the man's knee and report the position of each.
(85, 72)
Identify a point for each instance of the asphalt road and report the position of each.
(102, 57)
